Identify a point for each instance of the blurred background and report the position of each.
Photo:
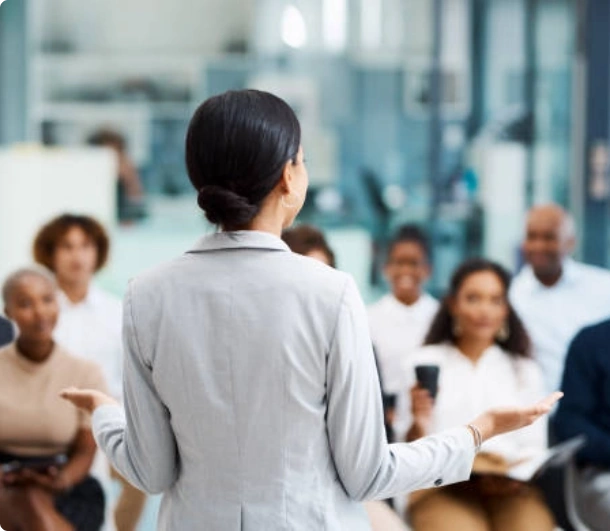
(455, 114)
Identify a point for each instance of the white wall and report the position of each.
(177, 26)
(37, 184)
(502, 170)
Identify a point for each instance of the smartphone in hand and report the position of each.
(427, 378)
(38, 464)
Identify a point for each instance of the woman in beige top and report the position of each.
(36, 426)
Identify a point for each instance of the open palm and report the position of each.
(87, 399)
(502, 420)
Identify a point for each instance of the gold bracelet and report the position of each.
(478, 438)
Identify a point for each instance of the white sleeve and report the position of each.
(367, 466)
(139, 443)
(403, 418)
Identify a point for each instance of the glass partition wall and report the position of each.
(453, 114)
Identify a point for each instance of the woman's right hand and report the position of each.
(502, 420)
(87, 399)
(422, 405)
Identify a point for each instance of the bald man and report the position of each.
(555, 295)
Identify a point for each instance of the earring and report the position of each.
(456, 329)
(504, 332)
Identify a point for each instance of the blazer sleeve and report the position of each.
(367, 466)
(139, 442)
(583, 383)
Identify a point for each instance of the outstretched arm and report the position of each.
(140, 442)
(367, 466)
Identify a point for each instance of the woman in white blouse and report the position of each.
(482, 350)
(75, 247)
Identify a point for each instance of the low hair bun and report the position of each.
(222, 206)
(237, 146)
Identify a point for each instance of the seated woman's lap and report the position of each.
(30, 508)
(463, 507)
(520, 511)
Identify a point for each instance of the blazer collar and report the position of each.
(240, 239)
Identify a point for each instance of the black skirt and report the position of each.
(83, 505)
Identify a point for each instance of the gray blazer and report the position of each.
(252, 399)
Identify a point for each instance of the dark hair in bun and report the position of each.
(237, 145)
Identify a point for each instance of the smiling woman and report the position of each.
(480, 346)
(75, 247)
(46, 448)
(400, 320)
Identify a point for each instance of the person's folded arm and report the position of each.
(81, 455)
(367, 466)
(579, 410)
(140, 443)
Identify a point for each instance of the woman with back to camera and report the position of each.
(483, 352)
(251, 396)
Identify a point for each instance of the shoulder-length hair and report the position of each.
(442, 330)
(52, 233)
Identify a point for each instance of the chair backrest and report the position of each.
(570, 486)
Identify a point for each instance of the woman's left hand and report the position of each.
(14, 479)
(503, 420)
(87, 399)
(52, 480)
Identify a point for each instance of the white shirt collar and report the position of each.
(91, 299)
(490, 354)
(393, 302)
(570, 273)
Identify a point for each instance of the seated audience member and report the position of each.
(482, 350)
(130, 193)
(75, 248)
(400, 320)
(36, 425)
(555, 295)
(309, 241)
(586, 383)
(6, 331)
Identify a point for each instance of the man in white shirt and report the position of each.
(90, 322)
(553, 294)
(400, 320)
